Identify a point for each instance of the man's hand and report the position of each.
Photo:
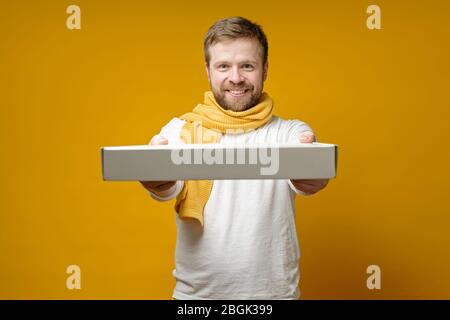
(159, 188)
(309, 186)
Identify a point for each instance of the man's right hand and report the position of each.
(158, 187)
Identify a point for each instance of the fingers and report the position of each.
(157, 186)
(307, 188)
(310, 186)
(164, 186)
(158, 140)
(307, 137)
(313, 182)
(151, 184)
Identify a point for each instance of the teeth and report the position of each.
(237, 92)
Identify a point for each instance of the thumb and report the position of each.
(307, 137)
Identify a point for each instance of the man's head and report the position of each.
(236, 51)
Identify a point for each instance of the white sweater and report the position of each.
(248, 247)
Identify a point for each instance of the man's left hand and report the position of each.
(309, 186)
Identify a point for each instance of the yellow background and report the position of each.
(381, 95)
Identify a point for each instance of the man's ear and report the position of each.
(266, 69)
(207, 69)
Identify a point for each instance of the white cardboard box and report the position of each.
(218, 161)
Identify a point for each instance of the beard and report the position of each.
(229, 102)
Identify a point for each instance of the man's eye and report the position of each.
(222, 66)
(248, 66)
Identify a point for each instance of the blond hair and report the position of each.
(234, 28)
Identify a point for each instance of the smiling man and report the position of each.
(236, 71)
(236, 239)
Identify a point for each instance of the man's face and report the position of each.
(236, 73)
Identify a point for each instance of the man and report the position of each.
(236, 239)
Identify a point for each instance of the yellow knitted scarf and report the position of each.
(206, 124)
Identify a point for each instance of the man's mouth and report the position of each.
(237, 93)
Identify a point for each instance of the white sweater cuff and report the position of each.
(170, 193)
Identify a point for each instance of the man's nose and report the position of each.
(236, 76)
